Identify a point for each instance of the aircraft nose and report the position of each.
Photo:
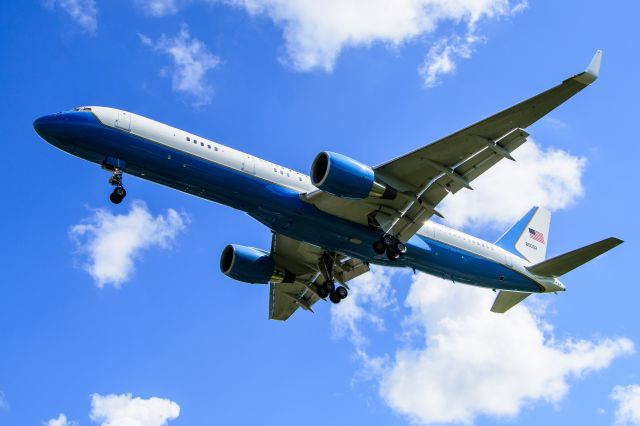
(42, 125)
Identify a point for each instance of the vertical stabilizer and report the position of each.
(529, 237)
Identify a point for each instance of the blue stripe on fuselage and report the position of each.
(278, 207)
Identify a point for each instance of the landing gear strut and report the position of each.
(119, 192)
(393, 247)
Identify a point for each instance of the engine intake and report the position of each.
(249, 265)
(344, 177)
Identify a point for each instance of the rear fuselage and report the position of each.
(272, 194)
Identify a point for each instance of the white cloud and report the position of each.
(125, 410)
(550, 178)
(158, 7)
(191, 63)
(628, 410)
(61, 420)
(316, 32)
(441, 57)
(473, 362)
(112, 242)
(83, 12)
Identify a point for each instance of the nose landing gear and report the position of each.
(119, 192)
(393, 247)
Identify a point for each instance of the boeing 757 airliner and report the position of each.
(330, 226)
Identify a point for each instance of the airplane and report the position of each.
(330, 226)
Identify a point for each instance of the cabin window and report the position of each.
(215, 148)
(209, 146)
(201, 143)
(300, 179)
(189, 139)
(275, 170)
(288, 175)
(281, 172)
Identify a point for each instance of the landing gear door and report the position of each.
(123, 121)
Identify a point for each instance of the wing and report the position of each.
(310, 265)
(425, 176)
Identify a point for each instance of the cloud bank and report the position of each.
(465, 361)
(316, 33)
(473, 362)
(112, 242)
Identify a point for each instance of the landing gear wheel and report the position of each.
(387, 240)
(323, 292)
(399, 247)
(115, 199)
(391, 255)
(378, 247)
(334, 298)
(330, 286)
(342, 292)
(118, 195)
(120, 192)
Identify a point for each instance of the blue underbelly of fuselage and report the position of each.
(278, 207)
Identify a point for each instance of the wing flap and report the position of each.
(286, 298)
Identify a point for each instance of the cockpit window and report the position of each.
(82, 108)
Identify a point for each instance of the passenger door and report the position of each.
(123, 121)
(249, 164)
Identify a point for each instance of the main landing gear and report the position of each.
(328, 286)
(393, 247)
(119, 192)
(336, 294)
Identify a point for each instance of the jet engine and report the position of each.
(344, 177)
(249, 265)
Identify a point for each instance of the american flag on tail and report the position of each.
(536, 236)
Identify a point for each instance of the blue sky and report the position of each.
(90, 339)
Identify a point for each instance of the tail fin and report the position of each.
(560, 265)
(529, 237)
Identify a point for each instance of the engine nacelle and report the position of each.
(344, 177)
(249, 265)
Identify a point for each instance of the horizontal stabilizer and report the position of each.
(507, 300)
(560, 265)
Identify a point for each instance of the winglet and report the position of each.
(593, 70)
